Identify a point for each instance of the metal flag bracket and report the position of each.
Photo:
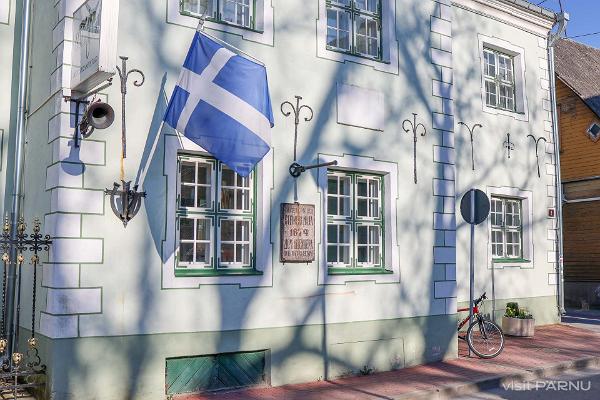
(296, 169)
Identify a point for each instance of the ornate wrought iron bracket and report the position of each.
(296, 110)
(124, 77)
(125, 202)
(471, 132)
(414, 127)
(20, 369)
(537, 158)
(508, 145)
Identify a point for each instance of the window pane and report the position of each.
(186, 252)
(204, 174)
(227, 229)
(227, 253)
(362, 208)
(186, 229)
(332, 185)
(227, 177)
(187, 196)
(242, 231)
(332, 254)
(366, 5)
(490, 93)
(203, 229)
(203, 253)
(332, 233)
(361, 187)
(188, 172)
(199, 7)
(332, 203)
(489, 64)
(227, 199)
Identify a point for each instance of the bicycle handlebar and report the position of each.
(480, 299)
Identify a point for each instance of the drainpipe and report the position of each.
(561, 19)
(18, 169)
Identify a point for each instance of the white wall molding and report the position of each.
(519, 69)
(509, 14)
(264, 247)
(74, 301)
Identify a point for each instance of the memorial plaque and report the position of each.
(297, 233)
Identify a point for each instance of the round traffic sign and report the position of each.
(481, 206)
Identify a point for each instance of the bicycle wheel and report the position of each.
(485, 338)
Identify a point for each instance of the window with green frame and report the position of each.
(235, 12)
(354, 26)
(355, 223)
(507, 228)
(215, 218)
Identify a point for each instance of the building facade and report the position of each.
(196, 278)
(579, 124)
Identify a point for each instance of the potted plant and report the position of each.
(517, 321)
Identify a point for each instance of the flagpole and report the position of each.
(200, 29)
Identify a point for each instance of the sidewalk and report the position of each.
(555, 348)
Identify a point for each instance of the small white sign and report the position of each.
(4, 11)
(95, 30)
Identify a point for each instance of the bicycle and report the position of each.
(484, 337)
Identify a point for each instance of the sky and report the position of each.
(585, 18)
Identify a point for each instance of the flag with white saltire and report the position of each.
(221, 102)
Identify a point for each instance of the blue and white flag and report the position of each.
(222, 103)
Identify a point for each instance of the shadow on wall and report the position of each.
(141, 355)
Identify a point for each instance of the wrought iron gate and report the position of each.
(21, 365)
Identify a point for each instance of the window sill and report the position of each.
(510, 261)
(359, 271)
(349, 54)
(212, 272)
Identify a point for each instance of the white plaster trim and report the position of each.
(74, 301)
(265, 36)
(528, 248)
(522, 113)
(390, 57)
(392, 253)
(4, 11)
(264, 247)
(59, 326)
(510, 14)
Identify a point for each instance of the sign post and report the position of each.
(95, 29)
(474, 208)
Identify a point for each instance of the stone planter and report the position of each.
(518, 327)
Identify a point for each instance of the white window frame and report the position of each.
(354, 17)
(354, 221)
(173, 144)
(389, 173)
(527, 221)
(498, 82)
(263, 22)
(217, 11)
(521, 111)
(5, 11)
(389, 60)
(216, 214)
(505, 229)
